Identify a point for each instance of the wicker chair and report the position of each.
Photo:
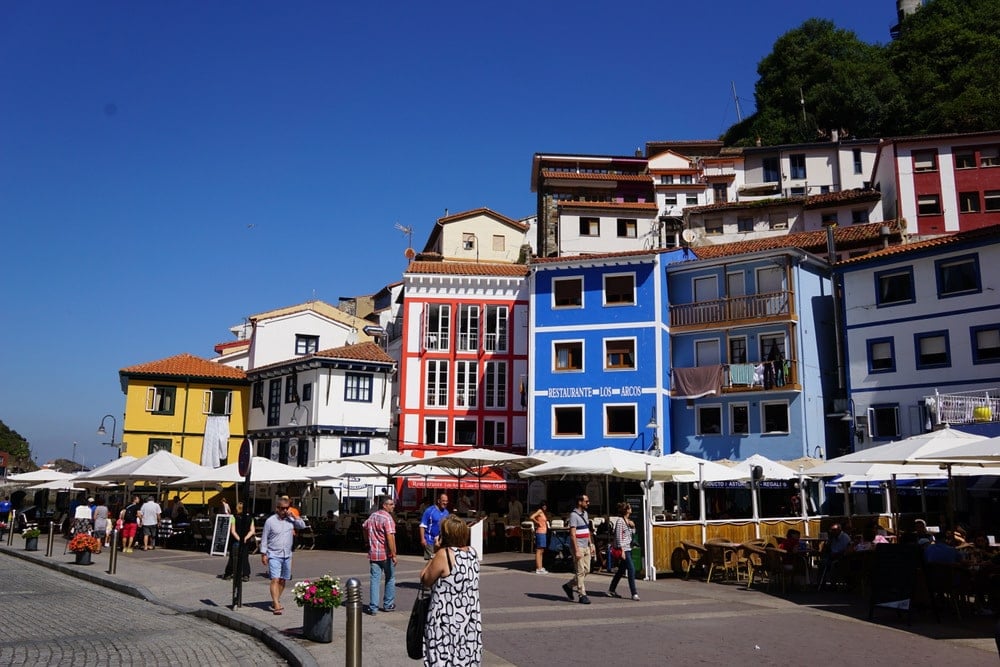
(721, 558)
(777, 571)
(697, 556)
(756, 558)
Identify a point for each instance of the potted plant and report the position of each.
(30, 536)
(83, 545)
(318, 598)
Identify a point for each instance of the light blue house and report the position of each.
(599, 352)
(752, 352)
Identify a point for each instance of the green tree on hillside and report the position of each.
(14, 444)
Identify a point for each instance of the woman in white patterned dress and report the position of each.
(454, 631)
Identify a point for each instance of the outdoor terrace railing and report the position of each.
(749, 307)
(965, 407)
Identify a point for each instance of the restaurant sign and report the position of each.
(625, 391)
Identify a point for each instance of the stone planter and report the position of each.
(31, 544)
(317, 624)
(83, 557)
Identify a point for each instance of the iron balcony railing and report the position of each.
(964, 407)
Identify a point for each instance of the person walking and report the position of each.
(130, 524)
(102, 527)
(621, 537)
(149, 515)
(579, 539)
(453, 634)
(541, 528)
(276, 550)
(241, 530)
(380, 528)
(430, 524)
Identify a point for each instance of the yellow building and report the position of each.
(190, 406)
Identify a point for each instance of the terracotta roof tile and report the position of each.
(815, 241)
(483, 211)
(604, 255)
(467, 268)
(842, 197)
(992, 231)
(589, 176)
(810, 202)
(360, 352)
(185, 365)
(616, 205)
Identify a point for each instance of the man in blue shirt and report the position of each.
(430, 524)
(276, 549)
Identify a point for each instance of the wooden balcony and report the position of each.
(760, 376)
(752, 308)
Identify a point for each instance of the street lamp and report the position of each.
(654, 449)
(114, 428)
(293, 421)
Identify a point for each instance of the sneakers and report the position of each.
(613, 594)
(541, 570)
(636, 597)
(368, 609)
(584, 599)
(389, 607)
(568, 590)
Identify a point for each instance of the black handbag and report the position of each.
(415, 627)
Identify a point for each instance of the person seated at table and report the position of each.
(791, 542)
(939, 552)
(920, 531)
(836, 547)
(870, 538)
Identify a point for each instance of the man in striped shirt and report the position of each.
(579, 539)
(380, 528)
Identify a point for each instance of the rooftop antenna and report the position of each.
(739, 113)
(408, 231)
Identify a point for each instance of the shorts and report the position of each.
(541, 540)
(279, 567)
(129, 529)
(149, 531)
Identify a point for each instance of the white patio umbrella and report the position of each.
(385, 463)
(478, 462)
(101, 469)
(262, 471)
(159, 467)
(982, 454)
(40, 475)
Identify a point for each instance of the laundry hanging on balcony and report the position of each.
(698, 381)
(216, 444)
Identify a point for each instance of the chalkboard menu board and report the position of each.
(220, 535)
(893, 575)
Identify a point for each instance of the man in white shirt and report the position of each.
(149, 516)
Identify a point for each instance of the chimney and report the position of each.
(834, 135)
(883, 233)
(831, 246)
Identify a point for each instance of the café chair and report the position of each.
(697, 556)
(777, 571)
(722, 559)
(756, 557)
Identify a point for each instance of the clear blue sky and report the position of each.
(168, 168)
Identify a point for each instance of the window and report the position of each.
(829, 218)
(778, 221)
(307, 391)
(706, 352)
(590, 226)
(709, 420)
(744, 224)
(929, 205)
(354, 447)
(720, 194)
(569, 356)
(925, 160)
(797, 191)
(881, 355)
(468, 241)
(770, 168)
(774, 417)
(291, 389)
(619, 353)
(885, 421)
(494, 433)
(466, 383)
(468, 328)
(465, 432)
(436, 390)
(619, 289)
(619, 420)
(567, 420)
(957, 276)
(358, 387)
(257, 398)
(496, 329)
(968, 202)
(306, 344)
(217, 402)
(495, 382)
(435, 431)
(965, 158)
(859, 216)
(797, 166)
(991, 200)
(739, 419)
(670, 199)
(738, 350)
(932, 349)
(713, 227)
(159, 444)
(160, 400)
(985, 344)
(627, 228)
(437, 326)
(274, 402)
(298, 452)
(989, 156)
(894, 287)
(686, 179)
(858, 168)
(667, 179)
(772, 347)
(568, 292)
(499, 243)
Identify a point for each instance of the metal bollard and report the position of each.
(352, 641)
(113, 558)
(48, 545)
(10, 527)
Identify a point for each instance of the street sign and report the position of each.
(246, 454)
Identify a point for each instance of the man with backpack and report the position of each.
(130, 524)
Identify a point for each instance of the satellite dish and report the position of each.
(409, 253)
(688, 235)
